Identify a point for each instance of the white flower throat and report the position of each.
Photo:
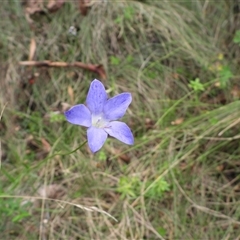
(98, 121)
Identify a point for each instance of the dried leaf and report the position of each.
(53, 191)
(175, 76)
(121, 156)
(31, 80)
(32, 49)
(71, 94)
(46, 145)
(149, 123)
(34, 6)
(71, 74)
(54, 5)
(83, 6)
(177, 121)
(65, 106)
(220, 168)
(125, 158)
(32, 143)
(235, 92)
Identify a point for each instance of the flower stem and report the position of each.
(59, 154)
(63, 154)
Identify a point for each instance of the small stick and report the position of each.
(90, 67)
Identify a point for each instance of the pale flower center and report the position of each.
(99, 121)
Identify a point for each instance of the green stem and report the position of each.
(60, 154)
(63, 154)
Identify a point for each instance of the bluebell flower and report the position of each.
(100, 115)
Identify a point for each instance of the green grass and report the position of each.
(178, 181)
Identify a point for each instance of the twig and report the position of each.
(97, 68)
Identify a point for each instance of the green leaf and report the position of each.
(102, 156)
(56, 117)
(129, 187)
(161, 231)
(225, 75)
(20, 217)
(236, 38)
(157, 189)
(114, 60)
(196, 85)
(129, 13)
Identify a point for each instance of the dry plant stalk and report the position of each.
(97, 68)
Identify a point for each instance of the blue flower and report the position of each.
(100, 115)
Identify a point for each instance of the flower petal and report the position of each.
(120, 131)
(116, 107)
(79, 115)
(96, 97)
(96, 138)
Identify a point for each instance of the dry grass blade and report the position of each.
(1, 114)
(205, 209)
(89, 208)
(32, 49)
